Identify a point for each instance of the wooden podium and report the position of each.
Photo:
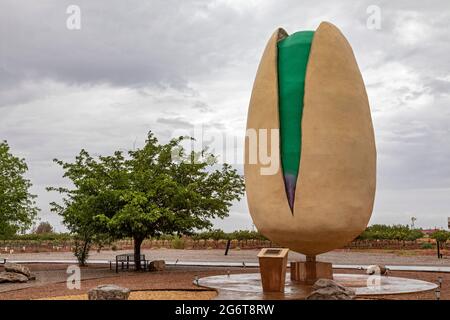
(272, 266)
(310, 271)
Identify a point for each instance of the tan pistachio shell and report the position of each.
(336, 182)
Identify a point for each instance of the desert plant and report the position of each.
(426, 245)
(178, 243)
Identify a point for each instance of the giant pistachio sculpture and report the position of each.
(308, 88)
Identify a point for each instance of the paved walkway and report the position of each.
(237, 257)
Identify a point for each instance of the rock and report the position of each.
(376, 269)
(326, 289)
(17, 268)
(109, 292)
(9, 277)
(157, 265)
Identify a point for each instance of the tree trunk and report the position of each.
(228, 246)
(137, 253)
(82, 247)
(84, 254)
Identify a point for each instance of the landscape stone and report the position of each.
(157, 265)
(377, 269)
(10, 277)
(17, 268)
(326, 289)
(108, 292)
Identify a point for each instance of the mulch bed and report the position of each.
(153, 295)
(174, 278)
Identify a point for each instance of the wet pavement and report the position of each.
(248, 286)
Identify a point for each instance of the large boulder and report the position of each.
(108, 292)
(377, 269)
(326, 289)
(9, 277)
(157, 265)
(18, 268)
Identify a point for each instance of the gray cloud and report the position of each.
(168, 65)
(201, 106)
(175, 123)
(137, 43)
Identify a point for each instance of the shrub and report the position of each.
(394, 232)
(441, 236)
(177, 243)
(165, 237)
(43, 237)
(43, 227)
(426, 245)
(218, 234)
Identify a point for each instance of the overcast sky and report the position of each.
(167, 66)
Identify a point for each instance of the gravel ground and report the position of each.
(48, 273)
(51, 278)
(174, 278)
(153, 295)
(337, 256)
(179, 278)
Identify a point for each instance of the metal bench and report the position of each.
(2, 260)
(127, 259)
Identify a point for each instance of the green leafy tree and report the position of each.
(173, 197)
(217, 234)
(17, 206)
(43, 227)
(441, 237)
(95, 184)
(147, 193)
(394, 232)
(413, 235)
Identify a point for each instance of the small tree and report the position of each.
(43, 227)
(394, 232)
(441, 236)
(17, 206)
(414, 234)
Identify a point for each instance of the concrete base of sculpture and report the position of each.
(248, 286)
(309, 271)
